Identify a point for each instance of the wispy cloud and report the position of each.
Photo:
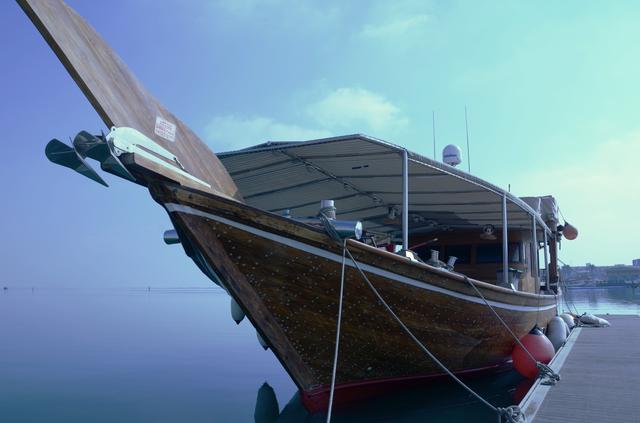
(341, 111)
(232, 132)
(396, 27)
(244, 7)
(357, 110)
(289, 14)
(600, 196)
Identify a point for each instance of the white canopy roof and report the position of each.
(364, 177)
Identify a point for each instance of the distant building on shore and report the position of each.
(592, 275)
(621, 275)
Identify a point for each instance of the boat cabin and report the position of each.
(407, 203)
(478, 254)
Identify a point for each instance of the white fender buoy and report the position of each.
(236, 312)
(569, 320)
(557, 332)
(590, 319)
(262, 342)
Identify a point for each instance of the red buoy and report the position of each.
(540, 348)
(570, 232)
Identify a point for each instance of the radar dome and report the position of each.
(451, 155)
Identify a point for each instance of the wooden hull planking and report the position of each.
(286, 277)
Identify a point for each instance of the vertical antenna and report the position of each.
(433, 120)
(466, 124)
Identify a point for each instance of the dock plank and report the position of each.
(600, 377)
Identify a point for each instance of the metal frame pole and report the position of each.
(505, 242)
(535, 265)
(553, 262)
(546, 262)
(405, 200)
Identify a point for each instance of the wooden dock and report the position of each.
(600, 377)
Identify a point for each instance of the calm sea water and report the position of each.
(614, 300)
(175, 355)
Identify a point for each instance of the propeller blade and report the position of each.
(88, 145)
(113, 165)
(60, 153)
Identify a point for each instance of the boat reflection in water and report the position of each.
(440, 402)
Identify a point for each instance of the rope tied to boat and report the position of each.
(565, 293)
(326, 222)
(511, 414)
(545, 372)
(339, 324)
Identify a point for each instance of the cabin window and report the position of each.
(492, 253)
(463, 252)
(515, 252)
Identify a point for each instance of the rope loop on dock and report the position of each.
(546, 373)
(512, 414)
(549, 376)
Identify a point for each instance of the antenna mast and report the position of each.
(466, 125)
(433, 120)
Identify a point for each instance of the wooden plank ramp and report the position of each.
(600, 377)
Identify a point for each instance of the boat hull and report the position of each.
(286, 277)
(316, 400)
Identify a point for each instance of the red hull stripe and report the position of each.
(317, 399)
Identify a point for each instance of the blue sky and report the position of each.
(551, 88)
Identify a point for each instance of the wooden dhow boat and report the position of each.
(250, 221)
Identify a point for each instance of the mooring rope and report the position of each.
(511, 414)
(567, 301)
(335, 355)
(326, 222)
(545, 371)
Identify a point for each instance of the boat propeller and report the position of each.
(63, 155)
(86, 145)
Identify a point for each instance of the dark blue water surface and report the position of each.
(175, 355)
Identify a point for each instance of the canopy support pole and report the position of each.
(546, 262)
(535, 264)
(505, 242)
(405, 200)
(553, 265)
